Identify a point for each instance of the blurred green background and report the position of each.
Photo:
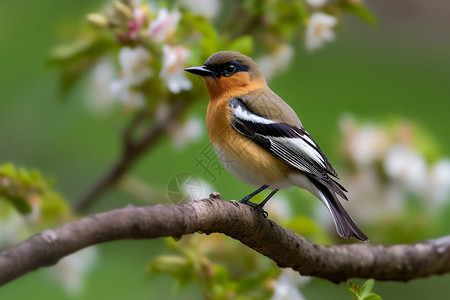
(400, 68)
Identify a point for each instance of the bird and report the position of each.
(261, 141)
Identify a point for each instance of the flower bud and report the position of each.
(123, 9)
(97, 20)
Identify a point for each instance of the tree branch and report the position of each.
(239, 221)
(132, 149)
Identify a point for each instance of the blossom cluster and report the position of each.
(386, 166)
(143, 66)
(156, 43)
(137, 61)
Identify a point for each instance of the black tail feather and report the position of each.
(345, 226)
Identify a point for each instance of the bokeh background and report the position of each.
(399, 69)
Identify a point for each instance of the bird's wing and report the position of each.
(291, 144)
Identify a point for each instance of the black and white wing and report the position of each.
(294, 146)
(291, 144)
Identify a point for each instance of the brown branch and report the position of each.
(285, 247)
(132, 149)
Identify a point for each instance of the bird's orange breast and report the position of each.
(241, 151)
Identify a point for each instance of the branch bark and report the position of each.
(285, 247)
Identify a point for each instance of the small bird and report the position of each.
(261, 141)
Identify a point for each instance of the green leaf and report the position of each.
(7, 170)
(301, 9)
(221, 275)
(53, 206)
(371, 296)
(358, 10)
(354, 290)
(71, 74)
(210, 37)
(366, 288)
(174, 265)
(80, 50)
(76, 58)
(363, 293)
(251, 283)
(22, 188)
(21, 204)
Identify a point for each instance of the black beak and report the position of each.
(202, 71)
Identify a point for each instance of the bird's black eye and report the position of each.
(230, 69)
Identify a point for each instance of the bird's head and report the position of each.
(230, 74)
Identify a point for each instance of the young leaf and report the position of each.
(354, 290)
(22, 188)
(371, 296)
(366, 288)
(75, 59)
(358, 10)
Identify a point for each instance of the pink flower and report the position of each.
(136, 23)
(164, 26)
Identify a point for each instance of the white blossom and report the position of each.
(207, 8)
(100, 98)
(367, 146)
(182, 134)
(364, 144)
(287, 286)
(130, 98)
(164, 26)
(373, 200)
(13, 229)
(316, 3)
(270, 64)
(319, 30)
(407, 167)
(439, 181)
(135, 64)
(174, 61)
(72, 269)
(14, 226)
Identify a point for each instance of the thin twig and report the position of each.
(131, 151)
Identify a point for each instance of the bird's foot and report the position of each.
(264, 213)
(255, 207)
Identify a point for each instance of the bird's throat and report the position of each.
(230, 87)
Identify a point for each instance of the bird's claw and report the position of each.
(262, 211)
(255, 206)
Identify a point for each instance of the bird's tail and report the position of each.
(345, 226)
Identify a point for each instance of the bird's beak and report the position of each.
(202, 71)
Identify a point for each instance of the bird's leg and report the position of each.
(260, 206)
(250, 196)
